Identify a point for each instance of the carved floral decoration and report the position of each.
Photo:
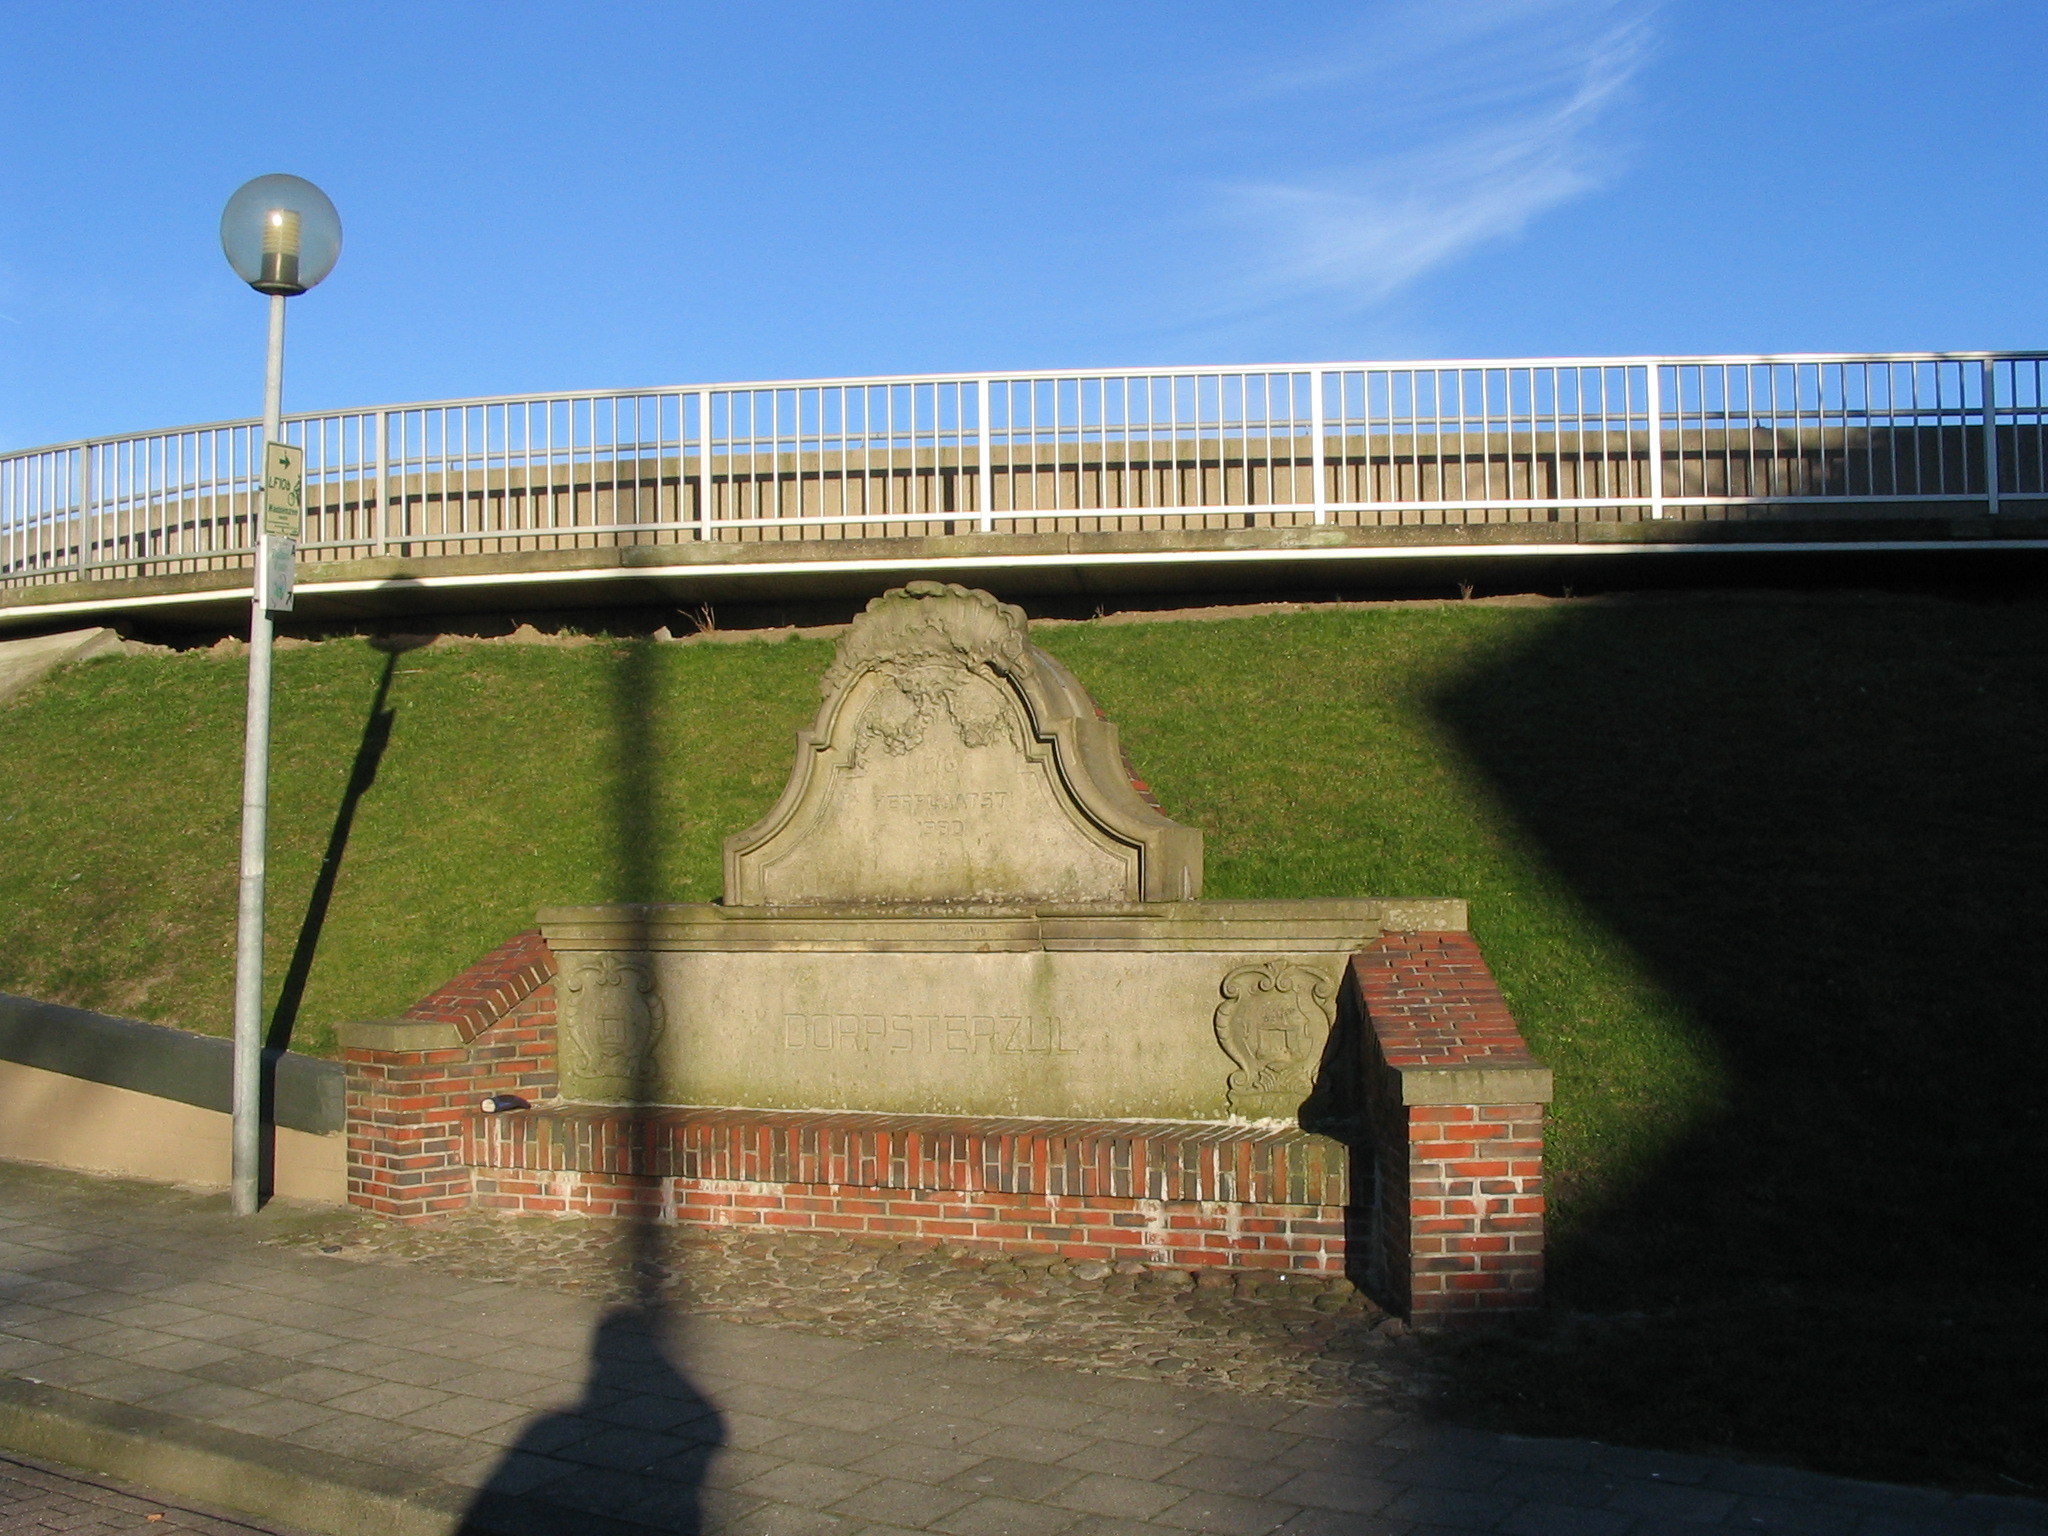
(934, 644)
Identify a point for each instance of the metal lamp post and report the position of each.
(281, 235)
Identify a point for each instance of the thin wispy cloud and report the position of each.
(1434, 129)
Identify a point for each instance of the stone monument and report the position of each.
(964, 903)
(964, 988)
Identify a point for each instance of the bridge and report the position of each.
(1319, 476)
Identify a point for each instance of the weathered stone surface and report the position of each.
(952, 760)
(1180, 1010)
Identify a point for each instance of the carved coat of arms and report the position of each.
(1273, 1022)
(614, 1022)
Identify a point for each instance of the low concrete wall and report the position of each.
(47, 1117)
(84, 1090)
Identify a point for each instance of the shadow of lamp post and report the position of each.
(281, 235)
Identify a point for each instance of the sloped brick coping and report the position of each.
(1436, 1095)
(414, 1081)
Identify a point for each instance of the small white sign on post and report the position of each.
(280, 561)
(284, 503)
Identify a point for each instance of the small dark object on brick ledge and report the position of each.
(503, 1103)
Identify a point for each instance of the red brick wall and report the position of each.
(1475, 1208)
(1194, 1195)
(1457, 1211)
(1160, 1160)
(1186, 1234)
(406, 1109)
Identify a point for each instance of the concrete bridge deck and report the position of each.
(1062, 569)
(1303, 477)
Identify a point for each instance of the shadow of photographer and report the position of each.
(632, 1452)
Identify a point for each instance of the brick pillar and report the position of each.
(1455, 1106)
(414, 1080)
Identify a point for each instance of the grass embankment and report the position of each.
(1761, 878)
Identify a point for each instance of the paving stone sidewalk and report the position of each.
(37, 1496)
(357, 1397)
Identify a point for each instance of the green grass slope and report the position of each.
(422, 805)
(1759, 876)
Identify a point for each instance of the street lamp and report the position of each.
(281, 235)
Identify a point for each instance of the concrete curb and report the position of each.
(268, 1480)
(24, 663)
(260, 1477)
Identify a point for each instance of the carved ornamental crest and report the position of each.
(614, 1024)
(932, 651)
(1273, 1022)
(952, 761)
(933, 624)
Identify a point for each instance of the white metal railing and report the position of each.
(1570, 440)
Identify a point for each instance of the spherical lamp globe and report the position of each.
(281, 234)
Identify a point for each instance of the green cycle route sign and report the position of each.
(284, 515)
(284, 490)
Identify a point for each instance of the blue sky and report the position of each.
(550, 197)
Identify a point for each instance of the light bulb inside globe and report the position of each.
(280, 272)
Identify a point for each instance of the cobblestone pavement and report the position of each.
(548, 1412)
(1303, 1339)
(37, 1496)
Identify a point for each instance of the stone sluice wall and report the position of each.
(1426, 1188)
